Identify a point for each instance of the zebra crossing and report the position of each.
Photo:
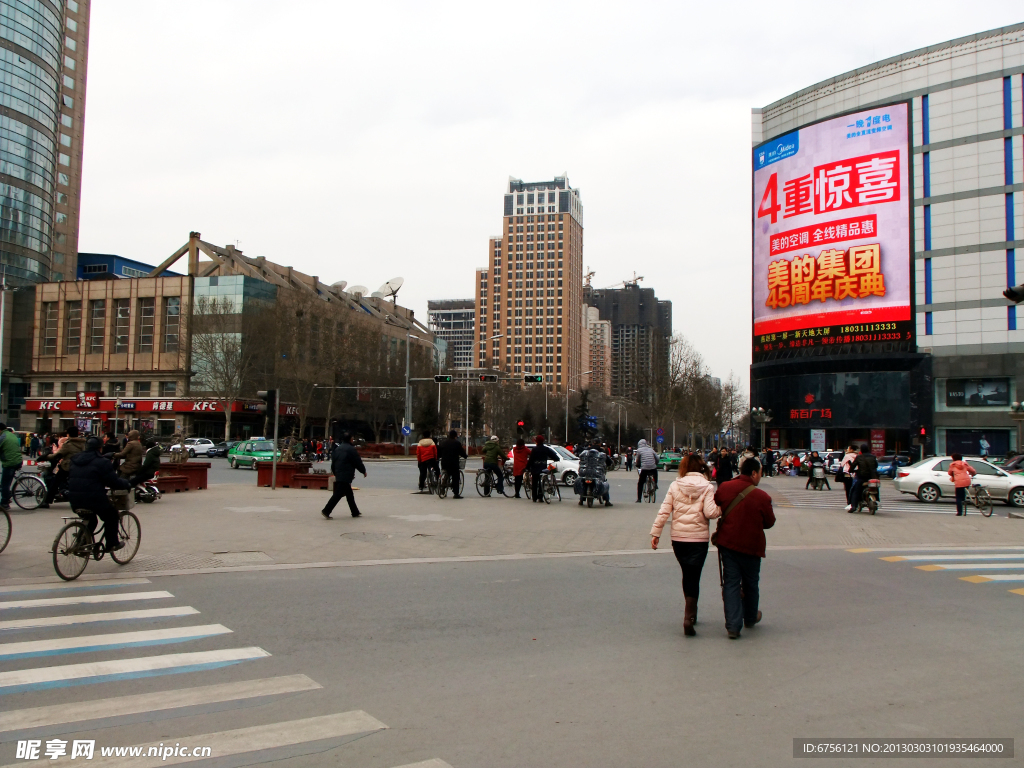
(34, 620)
(996, 565)
(835, 501)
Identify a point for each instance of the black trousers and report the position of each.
(519, 484)
(424, 466)
(536, 478)
(740, 593)
(342, 489)
(453, 480)
(56, 482)
(644, 474)
(691, 556)
(101, 507)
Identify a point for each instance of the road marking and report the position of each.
(996, 577)
(122, 669)
(975, 579)
(1017, 591)
(967, 566)
(90, 618)
(998, 547)
(246, 740)
(55, 647)
(435, 763)
(71, 585)
(49, 602)
(75, 712)
(897, 558)
(432, 518)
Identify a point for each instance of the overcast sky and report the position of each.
(362, 141)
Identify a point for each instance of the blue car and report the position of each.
(888, 465)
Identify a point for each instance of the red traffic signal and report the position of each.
(922, 431)
(490, 378)
(520, 423)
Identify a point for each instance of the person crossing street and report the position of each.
(450, 452)
(345, 462)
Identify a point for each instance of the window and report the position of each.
(62, 198)
(94, 269)
(66, 121)
(97, 321)
(73, 7)
(118, 388)
(68, 102)
(61, 218)
(168, 388)
(62, 178)
(982, 468)
(73, 320)
(72, 24)
(70, 44)
(142, 389)
(44, 389)
(69, 63)
(64, 159)
(172, 323)
(68, 388)
(93, 386)
(49, 328)
(122, 320)
(147, 318)
(65, 140)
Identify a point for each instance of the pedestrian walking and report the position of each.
(739, 537)
(647, 464)
(537, 463)
(863, 468)
(426, 457)
(33, 446)
(723, 467)
(520, 458)
(449, 452)
(629, 458)
(960, 472)
(345, 462)
(689, 505)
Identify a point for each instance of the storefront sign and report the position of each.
(149, 406)
(878, 442)
(773, 439)
(87, 400)
(818, 440)
(977, 393)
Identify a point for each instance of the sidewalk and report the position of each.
(242, 526)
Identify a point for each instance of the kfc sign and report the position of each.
(205, 405)
(87, 401)
(49, 405)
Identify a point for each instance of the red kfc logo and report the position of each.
(87, 400)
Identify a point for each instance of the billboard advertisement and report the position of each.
(977, 393)
(832, 234)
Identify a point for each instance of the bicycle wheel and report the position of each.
(649, 492)
(71, 550)
(431, 482)
(29, 492)
(544, 490)
(130, 532)
(528, 485)
(553, 489)
(483, 483)
(5, 530)
(983, 500)
(442, 486)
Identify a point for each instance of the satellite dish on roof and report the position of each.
(377, 295)
(340, 285)
(358, 290)
(390, 288)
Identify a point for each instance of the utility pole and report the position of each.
(408, 395)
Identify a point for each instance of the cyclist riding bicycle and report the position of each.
(91, 474)
(537, 463)
(494, 460)
(647, 463)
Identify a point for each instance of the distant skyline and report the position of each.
(359, 142)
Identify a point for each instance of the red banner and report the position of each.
(148, 406)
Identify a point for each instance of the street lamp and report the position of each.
(762, 417)
(567, 391)
(618, 439)
(472, 357)
(1017, 414)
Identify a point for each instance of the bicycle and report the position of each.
(5, 530)
(485, 482)
(549, 487)
(978, 496)
(445, 481)
(650, 490)
(28, 490)
(433, 480)
(76, 544)
(528, 484)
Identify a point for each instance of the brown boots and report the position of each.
(690, 616)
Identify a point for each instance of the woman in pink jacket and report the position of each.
(690, 503)
(960, 472)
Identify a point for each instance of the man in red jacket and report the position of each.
(741, 543)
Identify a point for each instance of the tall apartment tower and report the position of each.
(453, 320)
(530, 296)
(44, 45)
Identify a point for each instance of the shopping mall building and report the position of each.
(887, 323)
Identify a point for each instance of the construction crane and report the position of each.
(588, 276)
(636, 279)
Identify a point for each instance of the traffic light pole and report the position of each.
(273, 466)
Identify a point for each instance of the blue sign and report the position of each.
(126, 406)
(660, 438)
(778, 149)
(406, 430)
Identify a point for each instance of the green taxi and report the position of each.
(248, 452)
(669, 460)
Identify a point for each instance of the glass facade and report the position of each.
(31, 61)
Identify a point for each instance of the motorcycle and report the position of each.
(818, 478)
(869, 497)
(48, 476)
(147, 492)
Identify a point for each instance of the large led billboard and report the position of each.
(832, 234)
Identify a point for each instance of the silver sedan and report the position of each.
(929, 480)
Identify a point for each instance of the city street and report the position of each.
(495, 632)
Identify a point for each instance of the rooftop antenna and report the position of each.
(391, 287)
(340, 285)
(359, 291)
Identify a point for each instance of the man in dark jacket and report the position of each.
(538, 463)
(90, 476)
(741, 544)
(863, 468)
(448, 453)
(723, 467)
(344, 463)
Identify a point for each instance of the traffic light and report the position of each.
(269, 398)
(443, 379)
(489, 378)
(1016, 294)
(521, 424)
(923, 431)
(532, 379)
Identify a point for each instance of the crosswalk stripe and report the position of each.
(1017, 591)
(105, 584)
(994, 547)
(995, 577)
(247, 740)
(968, 566)
(122, 706)
(101, 671)
(87, 643)
(898, 558)
(91, 618)
(50, 602)
(435, 763)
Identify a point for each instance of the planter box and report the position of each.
(194, 473)
(303, 480)
(172, 483)
(286, 471)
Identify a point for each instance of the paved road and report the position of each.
(547, 662)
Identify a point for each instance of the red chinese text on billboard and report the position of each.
(822, 234)
(834, 274)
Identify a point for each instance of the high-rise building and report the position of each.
(454, 321)
(598, 335)
(44, 48)
(641, 329)
(530, 295)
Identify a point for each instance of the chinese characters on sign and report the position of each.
(833, 275)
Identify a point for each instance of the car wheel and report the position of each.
(929, 493)
(192, 453)
(252, 465)
(1017, 496)
(233, 463)
(569, 478)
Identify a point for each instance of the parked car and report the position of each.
(567, 467)
(929, 480)
(248, 452)
(196, 446)
(833, 460)
(222, 448)
(889, 465)
(1014, 465)
(669, 460)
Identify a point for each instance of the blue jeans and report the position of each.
(739, 570)
(494, 469)
(6, 481)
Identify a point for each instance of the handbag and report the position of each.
(732, 505)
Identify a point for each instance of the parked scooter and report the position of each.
(818, 478)
(869, 497)
(147, 492)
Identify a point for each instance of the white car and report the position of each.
(197, 446)
(929, 480)
(567, 467)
